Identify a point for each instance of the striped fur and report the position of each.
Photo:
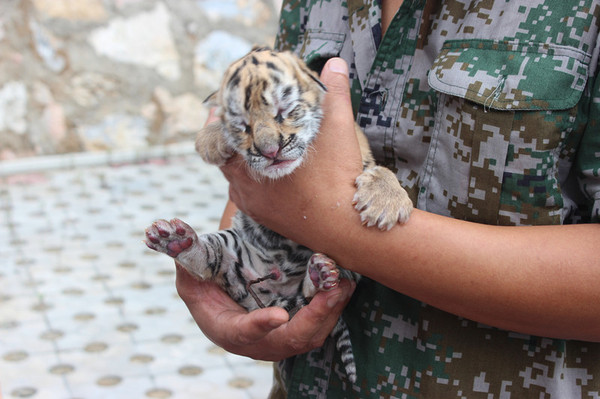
(247, 252)
(269, 108)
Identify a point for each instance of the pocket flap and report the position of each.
(511, 75)
(316, 47)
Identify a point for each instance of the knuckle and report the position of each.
(241, 339)
(298, 346)
(302, 346)
(236, 336)
(317, 342)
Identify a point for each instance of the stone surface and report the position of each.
(143, 40)
(116, 131)
(88, 10)
(72, 70)
(90, 89)
(183, 115)
(246, 12)
(214, 53)
(13, 107)
(2, 33)
(48, 47)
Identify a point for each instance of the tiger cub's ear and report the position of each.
(211, 100)
(311, 74)
(257, 48)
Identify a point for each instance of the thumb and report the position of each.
(338, 130)
(335, 76)
(337, 103)
(314, 322)
(255, 325)
(212, 116)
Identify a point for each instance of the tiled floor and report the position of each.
(86, 310)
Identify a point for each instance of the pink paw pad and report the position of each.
(323, 272)
(171, 238)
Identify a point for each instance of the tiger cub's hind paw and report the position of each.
(170, 237)
(323, 272)
(380, 199)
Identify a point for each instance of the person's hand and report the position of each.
(268, 334)
(263, 334)
(295, 204)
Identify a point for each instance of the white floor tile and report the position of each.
(86, 310)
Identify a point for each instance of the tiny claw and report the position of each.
(162, 233)
(181, 229)
(152, 238)
(334, 272)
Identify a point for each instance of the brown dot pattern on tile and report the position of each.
(86, 310)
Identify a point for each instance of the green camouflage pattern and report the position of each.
(487, 111)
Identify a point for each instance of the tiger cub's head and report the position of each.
(269, 105)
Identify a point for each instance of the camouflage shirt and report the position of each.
(487, 111)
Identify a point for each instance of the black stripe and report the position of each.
(287, 91)
(273, 67)
(247, 101)
(310, 75)
(234, 79)
(224, 238)
(295, 272)
(238, 268)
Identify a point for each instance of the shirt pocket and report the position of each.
(315, 47)
(504, 112)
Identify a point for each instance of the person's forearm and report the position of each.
(536, 280)
(228, 213)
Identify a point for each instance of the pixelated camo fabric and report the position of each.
(487, 111)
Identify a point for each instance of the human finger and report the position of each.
(309, 328)
(212, 116)
(224, 321)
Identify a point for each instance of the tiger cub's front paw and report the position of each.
(171, 238)
(380, 199)
(211, 144)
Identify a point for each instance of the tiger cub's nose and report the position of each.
(270, 151)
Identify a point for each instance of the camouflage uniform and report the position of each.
(486, 111)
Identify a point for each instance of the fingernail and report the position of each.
(334, 298)
(338, 65)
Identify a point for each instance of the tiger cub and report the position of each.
(269, 104)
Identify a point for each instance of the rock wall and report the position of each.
(103, 75)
